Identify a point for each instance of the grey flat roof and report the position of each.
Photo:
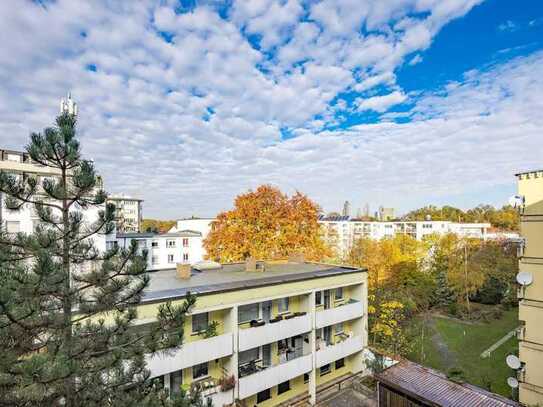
(165, 284)
(147, 235)
(527, 172)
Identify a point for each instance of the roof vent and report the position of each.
(183, 271)
(252, 265)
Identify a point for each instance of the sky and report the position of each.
(186, 104)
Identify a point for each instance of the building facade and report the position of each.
(340, 232)
(128, 213)
(26, 219)
(281, 332)
(165, 250)
(530, 188)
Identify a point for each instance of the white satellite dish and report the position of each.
(525, 278)
(512, 382)
(516, 201)
(513, 362)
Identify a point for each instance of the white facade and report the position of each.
(164, 250)
(128, 213)
(26, 219)
(201, 225)
(341, 232)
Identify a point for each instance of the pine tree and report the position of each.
(67, 309)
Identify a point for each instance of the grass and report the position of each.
(465, 343)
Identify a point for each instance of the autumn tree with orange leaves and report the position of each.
(266, 224)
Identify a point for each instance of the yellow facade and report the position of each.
(530, 187)
(301, 371)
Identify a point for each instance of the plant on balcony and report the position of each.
(210, 331)
(227, 382)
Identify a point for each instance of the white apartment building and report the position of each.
(128, 213)
(165, 250)
(201, 225)
(26, 219)
(341, 231)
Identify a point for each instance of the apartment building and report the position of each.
(265, 333)
(341, 232)
(530, 189)
(165, 250)
(128, 213)
(26, 219)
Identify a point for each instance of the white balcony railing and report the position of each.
(273, 376)
(190, 354)
(329, 354)
(331, 316)
(271, 332)
(219, 398)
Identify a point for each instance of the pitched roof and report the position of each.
(433, 387)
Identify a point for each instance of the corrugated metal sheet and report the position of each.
(432, 386)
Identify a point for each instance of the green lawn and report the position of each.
(465, 343)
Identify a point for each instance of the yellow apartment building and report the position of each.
(262, 333)
(530, 188)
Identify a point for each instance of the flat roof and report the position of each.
(152, 235)
(528, 172)
(165, 284)
(433, 387)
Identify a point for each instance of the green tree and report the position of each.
(67, 310)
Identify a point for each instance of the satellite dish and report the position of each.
(525, 278)
(512, 382)
(516, 201)
(513, 362)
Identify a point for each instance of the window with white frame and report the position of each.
(176, 381)
(185, 257)
(318, 298)
(154, 243)
(339, 293)
(339, 328)
(170, 258)
(199, 370)
(247, 313)
(200, 322)
(248, 355)
(154, 260)
(185, 242)
(282, 304)
(170, 243)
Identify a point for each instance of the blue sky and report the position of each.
(186, 104)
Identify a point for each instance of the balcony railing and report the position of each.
(273, 375)
(331, 353)
(253, 337)
(350, 310)
(190, 354)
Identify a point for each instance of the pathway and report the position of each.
(499, 343)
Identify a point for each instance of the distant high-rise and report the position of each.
(346, 209)
(367, 210)
(68, 105)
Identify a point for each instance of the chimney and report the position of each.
(183, 271)
(250, 264)
(296, 258)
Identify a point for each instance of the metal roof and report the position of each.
(433, 387)
(149, 235)
(340, 218)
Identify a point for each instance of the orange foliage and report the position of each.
(266, 224)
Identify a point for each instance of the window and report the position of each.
(13, 226)
(154, 260)
(199, 370)
(339, 293)
(170, 258)
(142, 243)
(154, 243)
(325, 369)
(340, 363)
(170, 243)
(247, 313)
(200, 322)
(263, 396)
(283, 387)
(185, 257)
(282, 304)
(248, 355)
(318, 298)
(339, 328)
(185, 242)
(176, 380)
(306, 377)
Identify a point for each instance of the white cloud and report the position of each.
(380, 103)
(417, 59)
(202, 114)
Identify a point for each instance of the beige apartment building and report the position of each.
(530, 188)
(128, 213)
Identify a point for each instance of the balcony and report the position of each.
(331, 353)
(350, 310)
(274, 375)
(273, 331)
(190, 354)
